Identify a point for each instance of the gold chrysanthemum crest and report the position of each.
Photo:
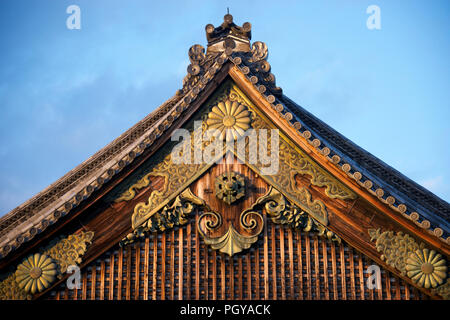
(426, 267)
(36, 273)
(229, 120)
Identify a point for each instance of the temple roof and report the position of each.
(228, 45)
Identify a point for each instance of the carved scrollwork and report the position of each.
(231, 242)
(281, 211)
(170, 215)
(39, 270)
(425, 267)
(292, 161)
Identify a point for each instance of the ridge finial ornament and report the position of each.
(228, 36)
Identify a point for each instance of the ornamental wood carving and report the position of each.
(292, 160)
(39, 270)
(425, 267)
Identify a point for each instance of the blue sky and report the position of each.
(64, 94)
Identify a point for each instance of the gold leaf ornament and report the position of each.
(229, 120)
(426, 267)
(36, 273)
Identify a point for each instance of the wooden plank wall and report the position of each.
(283, 264)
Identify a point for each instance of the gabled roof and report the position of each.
(388, 185)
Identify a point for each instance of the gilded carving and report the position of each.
(226, 106)
(142, 183)
(281, 211)
(39, 270)
(394, 247)
(229, 120)
(230, 186)
(69, 251)
(36, 273)
(232, 241)
(10, 290)
(292, 161)
(169, 216)
(180, 176)
(443, 291)
(425, 267)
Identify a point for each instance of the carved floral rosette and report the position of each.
(425, 267)
(38, 271)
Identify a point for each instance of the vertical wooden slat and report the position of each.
(352, 273)
(240, 275)
(172, 264)
(249, 276)
(398, 295)
(308, 268)
(222, 275)
(111, 276)
(380, 290)
(316, 266)
(334, 271)
(197, 261)
(75, 293)
(343, 282)
(257, 275)
(231, 275)
(128, 280)
(325, 270)
(146, 263)
(214, 276)
(180, 264)
(163, 266)
(189, 261)
(84, 293)
(300, 263)
(274, 265)
(266, 260)
(93, 281)
(388, 286)
(119, 273)
(368, 263)
(291, 264)
(137, 270)
(407, 294)
(282, 261)
(102, 280)
(361, 277)
(66, 293)
(206, 278)
(155, 266)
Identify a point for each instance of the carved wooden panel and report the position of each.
(283, 264)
